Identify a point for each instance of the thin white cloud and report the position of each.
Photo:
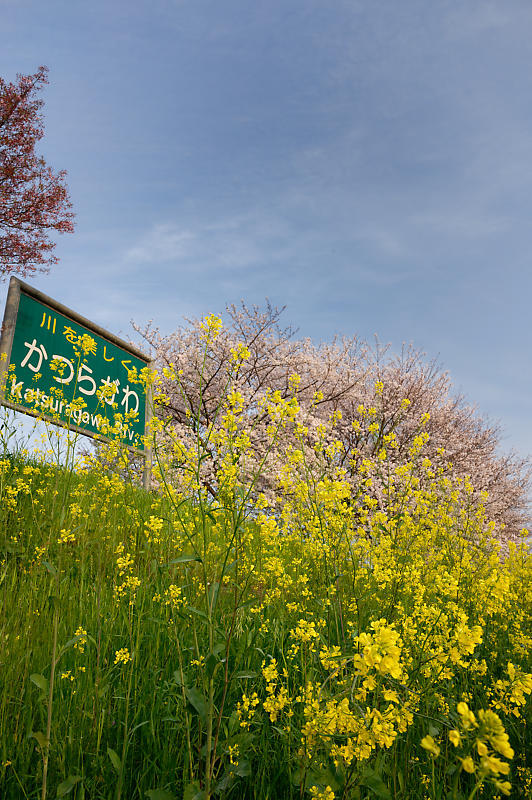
(236, 243)
(164, 242)
(478, 18)
(460, 223)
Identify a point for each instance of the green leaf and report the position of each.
(40, 681)
(160, 794)
(50, 567)
(194, 792)
(219, 648)
(371, 780)
(41, 739)
(199, 613)
(323, 777)
(210, 664)
(177, 678)
(243, 769)
(139, 725)
(214, 591)
(67, 786)
(73, 641)
(197, 701)
(401, 780)
(223, 784)
(319, 777)
(185, 560)
(115, 760)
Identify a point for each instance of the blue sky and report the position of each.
(368, 164)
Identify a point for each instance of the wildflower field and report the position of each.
(316, 642)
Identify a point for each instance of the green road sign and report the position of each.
(64, 368)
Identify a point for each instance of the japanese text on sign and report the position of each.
(73, 375)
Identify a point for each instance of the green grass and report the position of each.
(153, 726)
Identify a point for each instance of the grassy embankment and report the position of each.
(155, 646)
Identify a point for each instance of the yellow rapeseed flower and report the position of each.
(122, 656)
(430, 745)
(468, 764)
(455, 738)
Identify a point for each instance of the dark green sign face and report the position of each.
(67, 373)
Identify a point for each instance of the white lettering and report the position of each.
(82, 378)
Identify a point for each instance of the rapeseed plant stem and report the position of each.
(46, 749)
(190, 775)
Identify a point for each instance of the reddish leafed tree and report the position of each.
(34, 200)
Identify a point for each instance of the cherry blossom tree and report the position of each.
(371, 395)
(34, 200)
